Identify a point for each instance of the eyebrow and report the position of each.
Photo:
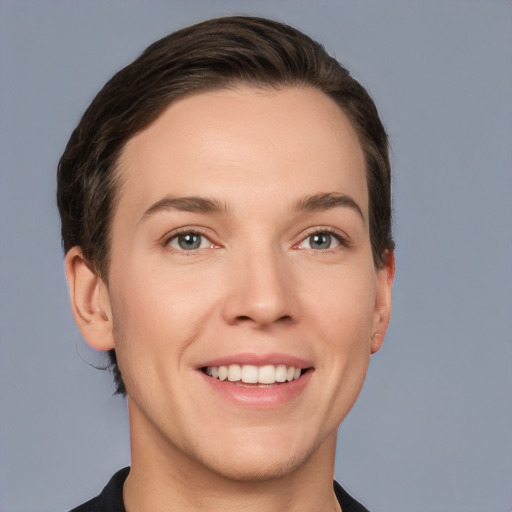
(327, 201)
(317, 202)
(185, 204)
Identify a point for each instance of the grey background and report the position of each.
(432, 430)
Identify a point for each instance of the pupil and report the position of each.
(320, 241)
(189, 241)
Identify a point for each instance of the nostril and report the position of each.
(284, 319)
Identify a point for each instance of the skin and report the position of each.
(257, 284)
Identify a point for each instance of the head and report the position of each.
(212, 55)
(225, 205)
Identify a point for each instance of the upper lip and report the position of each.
(257, 360)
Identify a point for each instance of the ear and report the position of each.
(90, 301)
(382, 310)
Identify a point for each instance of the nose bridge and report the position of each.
(261, 288)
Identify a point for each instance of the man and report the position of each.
(226, 217)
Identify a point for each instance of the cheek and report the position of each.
(344, 318)
(343, 301)
(157, 314)
(345, 353)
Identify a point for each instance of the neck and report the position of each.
(163, 477)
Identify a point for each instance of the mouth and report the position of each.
(257, 381)
(248, 375)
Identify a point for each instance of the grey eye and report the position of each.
(320, 241)
(189, 241)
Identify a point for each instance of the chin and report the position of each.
(257, 460)
(246, 468)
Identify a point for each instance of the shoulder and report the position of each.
(110, 499)
(348, 504)
(93, 505)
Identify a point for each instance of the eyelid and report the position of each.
(195, 230)
(340, 236)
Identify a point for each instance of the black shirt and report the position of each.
(111, 498)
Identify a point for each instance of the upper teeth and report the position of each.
(250, 374)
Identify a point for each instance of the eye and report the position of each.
(321, 241)
(189, 241)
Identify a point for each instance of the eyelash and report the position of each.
(186, 231)
(342, 240)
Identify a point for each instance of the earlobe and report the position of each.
(382, 310)
(90, 301)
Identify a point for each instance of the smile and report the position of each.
(251, 374)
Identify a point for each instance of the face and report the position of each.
(242, 288)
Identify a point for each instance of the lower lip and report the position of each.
(259, 397)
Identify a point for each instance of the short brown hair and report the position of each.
(214, 54)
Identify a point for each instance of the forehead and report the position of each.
(244, 142)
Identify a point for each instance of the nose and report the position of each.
(261, 290)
